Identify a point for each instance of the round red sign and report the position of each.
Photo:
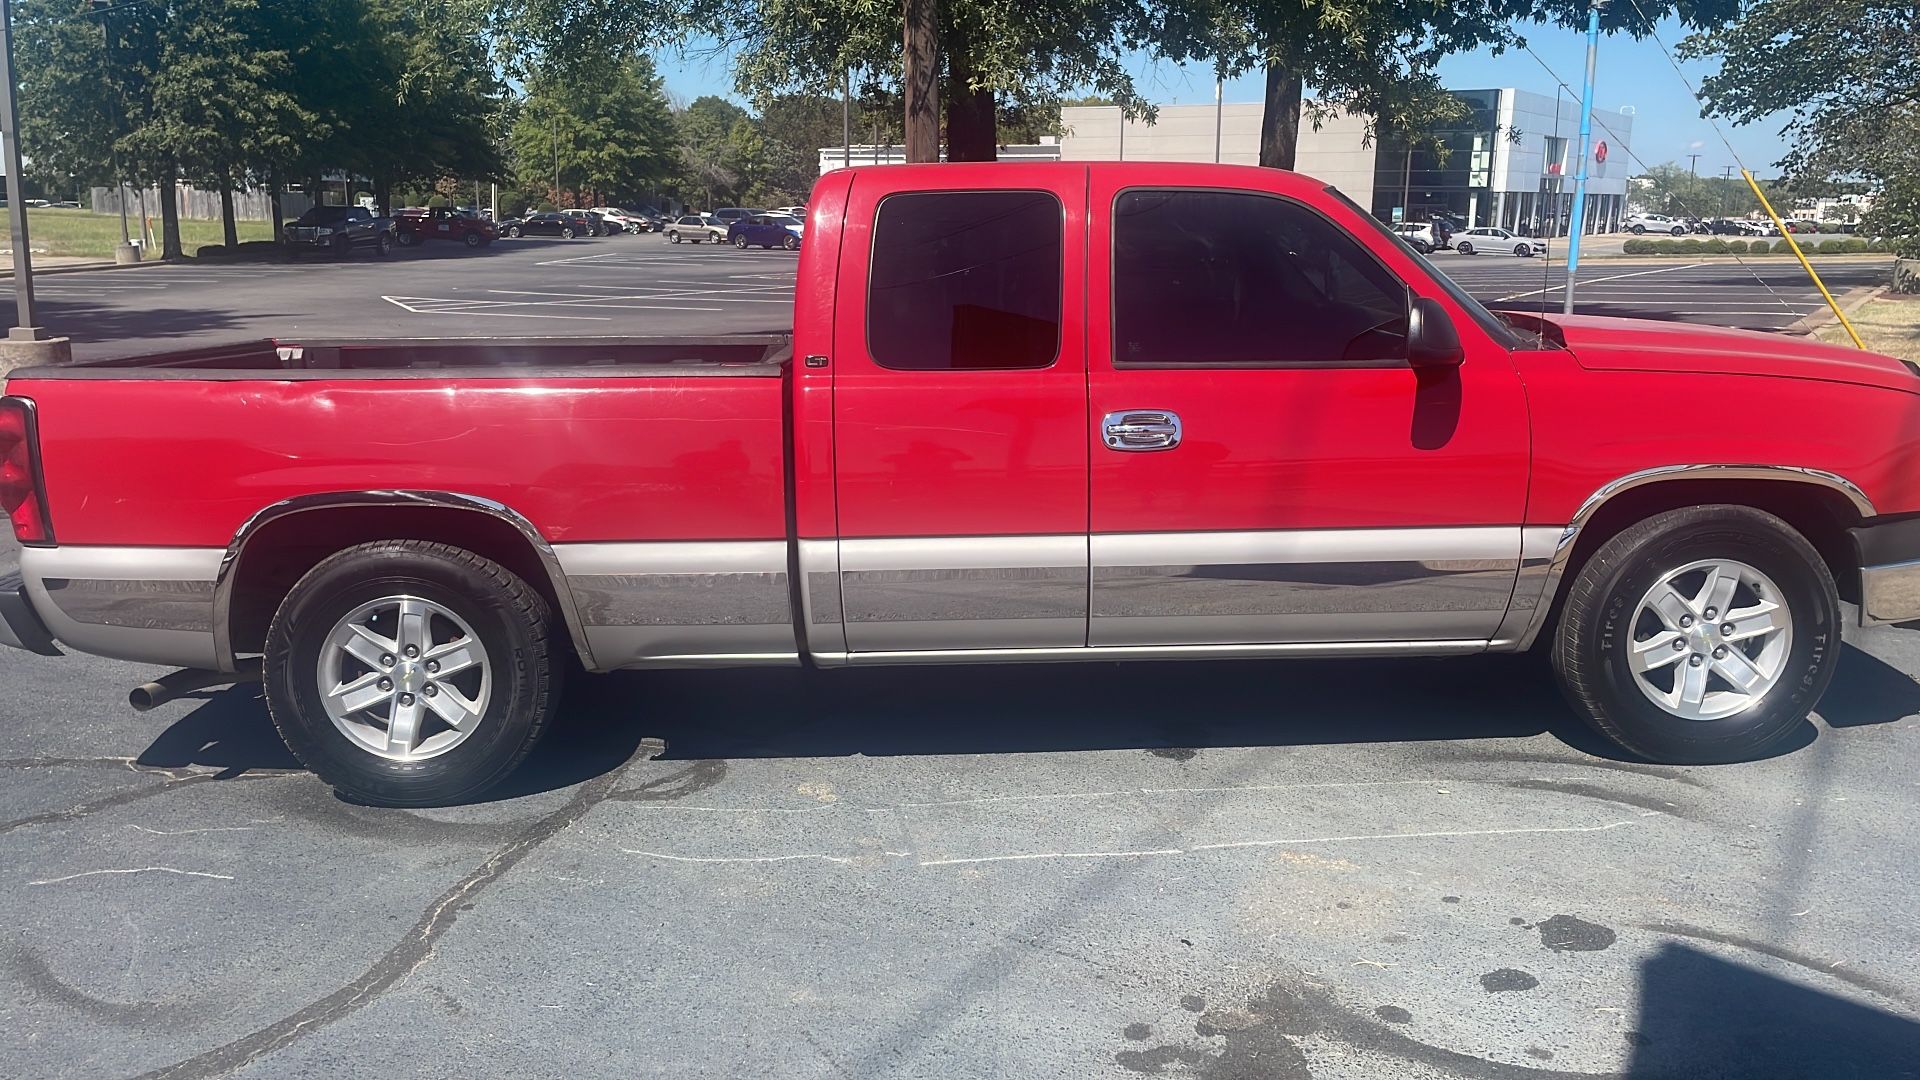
(1600, 153)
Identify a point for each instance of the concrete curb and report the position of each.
(89, 267)
(1849, 302)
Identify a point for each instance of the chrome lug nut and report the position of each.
(414, 650)
(431, 690)
(1678, 645)
(1720, 652)
(386, 684)
(1686, 621)
(1709, 613)
(1696, 660)
(386, 659)
(433, 667)
(407, 699)
(1726, 629)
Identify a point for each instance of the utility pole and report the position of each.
(846, 120)
(553, 126)
(28, 341)
(1693, 165)
(1726, 204)
(1219, 92)
(1577, 223)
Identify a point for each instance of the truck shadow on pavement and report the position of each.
(131, 328)
(1174, 711)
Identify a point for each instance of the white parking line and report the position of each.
(1594, 281)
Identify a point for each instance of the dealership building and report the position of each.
(1509, 162)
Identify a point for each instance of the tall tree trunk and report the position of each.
(383, 194)
(273, 196)
(230, 233)
(1280, 119)
(169, 213)
(972, 134)
(921, 78)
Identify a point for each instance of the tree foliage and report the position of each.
(1847, 73)
(599, 133)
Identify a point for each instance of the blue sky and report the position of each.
(1667, 124)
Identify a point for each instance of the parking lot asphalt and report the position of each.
(1253, 870)
(643, 285)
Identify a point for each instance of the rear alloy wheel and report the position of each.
(1638, 230)
(740, 242)
(791, 243)
(382, 245)
(1464, 247)
(1700, 636)
(474, 239)
(405, 239)
(408, 673)
(513, 231)
(566, 232)
(1679, 230)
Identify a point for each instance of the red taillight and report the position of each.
(20, 495)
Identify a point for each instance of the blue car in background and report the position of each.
(768, 231)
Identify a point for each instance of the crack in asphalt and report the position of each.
(171, 780)
(417, 947)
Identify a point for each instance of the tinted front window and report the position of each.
(966, 280)
(1214, 277)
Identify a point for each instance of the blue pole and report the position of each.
(1577, 224)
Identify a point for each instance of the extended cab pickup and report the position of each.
(1028, 412)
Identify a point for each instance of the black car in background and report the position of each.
(551, 223)
(591, 224)
(339, 229)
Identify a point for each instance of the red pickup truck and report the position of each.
(1028, 412)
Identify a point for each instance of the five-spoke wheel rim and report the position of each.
(1710, 639)
(404, 678)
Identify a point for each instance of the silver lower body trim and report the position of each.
(1533, 588)
(1331, 585)
(1289, 650)
(964, 592)
(1890, 593)
(676, 604)
(148, 605)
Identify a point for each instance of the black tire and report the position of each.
(474, 239)
(740, 242)
(673, 236)
(1679, 230)
(405, 238)
(566, 232)
(514, 232)
(791, 243)
(1590, 648)
(1638, 230)
(512, 622)
(382, 244)
(1464, 247)
(1525, 251)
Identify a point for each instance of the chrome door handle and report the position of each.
(1140, 429)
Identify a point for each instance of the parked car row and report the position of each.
(741, 227)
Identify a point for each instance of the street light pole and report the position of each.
(846, 119)
(1219, 94)
(1577, 222)
(27, 325)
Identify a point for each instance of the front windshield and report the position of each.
(1494, 325)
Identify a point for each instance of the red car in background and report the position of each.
(416, 225)
(1028, 412)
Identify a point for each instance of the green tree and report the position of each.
(1847, 73)
(602, 132)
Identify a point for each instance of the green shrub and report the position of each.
(1782, 247)
(437, 201)
(1853, 245)
(1637, 246)
(1758, 247)
(1690, 246)
(1877, 245)
(1717, 246)
(546, 207)
(1668, 246)
(1831, 247)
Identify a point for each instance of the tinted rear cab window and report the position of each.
(966, 280)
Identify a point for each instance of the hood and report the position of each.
(1611, 344)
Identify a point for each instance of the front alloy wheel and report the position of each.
(1700, 636)
(740, 242)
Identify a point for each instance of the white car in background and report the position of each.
(1638, 224)
(621, 218)
(1418, 235)
(791, 211)
(695, 228)
(1487, 238)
